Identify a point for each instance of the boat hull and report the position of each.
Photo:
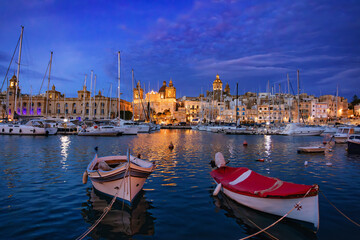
(126, 188)
(307, 211)
(353, 147)
(99, 133)
(114, 175)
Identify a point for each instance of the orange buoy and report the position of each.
(324, 142)
(245, 143)
(171, 146)
(260, 160)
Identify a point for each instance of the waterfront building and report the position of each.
(156, 106)
(54, 104)
(220, 106)
(357, 110)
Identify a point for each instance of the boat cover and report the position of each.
(247, 182)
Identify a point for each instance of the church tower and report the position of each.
(138, 92)
(170, 91)
(217, 88)
(227, 89)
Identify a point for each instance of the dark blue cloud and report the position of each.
(250, 42)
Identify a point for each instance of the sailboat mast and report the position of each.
(298, 96)
(132, 84)
(119, 83)
(110, 100)
(18, 69)
(84, 88)
(288, 80)
(47, 93)
(91, 81)
(30, 110)
(94, 98)
(336, 103)
(236, 104)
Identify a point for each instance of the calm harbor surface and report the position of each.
(42, 195)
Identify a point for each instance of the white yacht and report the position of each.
(96, 130)
(32, 127)
(296, 129)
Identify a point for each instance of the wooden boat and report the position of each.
(267, 194)
(314, 149)
(123, 176)
(354, 143)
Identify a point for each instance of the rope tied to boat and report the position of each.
(276, 222)
(275, 186)
(106, 209)
(340, 211)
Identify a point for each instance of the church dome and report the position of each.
(163, 87)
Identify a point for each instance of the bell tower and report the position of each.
(217, 88)
(138, 92)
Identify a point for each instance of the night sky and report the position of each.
(249, 42)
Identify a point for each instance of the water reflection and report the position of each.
(120, 221)
(267, 145)
(65, 143)
(253, 221)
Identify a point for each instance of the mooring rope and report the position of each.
(106, 210)
(340, 211)
(273, 224)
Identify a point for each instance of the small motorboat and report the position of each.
(354, 143)
(267, 194)
(311, 149)
(120, 176)
(342, 134)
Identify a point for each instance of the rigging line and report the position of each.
(276, 222)
(10, 64)
(271, 236)
(44, 77)
(340, 211)
(299, 102)
(106, 209)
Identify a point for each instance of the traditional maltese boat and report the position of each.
(267, 194)
(120, 176)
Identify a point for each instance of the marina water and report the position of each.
(42, 195)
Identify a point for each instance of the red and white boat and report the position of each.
(123, 176)
(267, 194)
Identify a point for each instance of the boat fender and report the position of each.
(220, 160)
(85, 177)
(217, 190)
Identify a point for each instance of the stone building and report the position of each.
(156, 106)
(54, 104)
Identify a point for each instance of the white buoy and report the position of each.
(306, 163)
(85, 177)
(217, 190)
(328, 164)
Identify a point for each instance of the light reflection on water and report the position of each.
(41, 185)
